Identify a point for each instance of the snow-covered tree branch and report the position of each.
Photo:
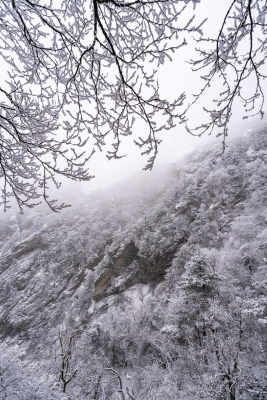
(234, 61)
(81, 73)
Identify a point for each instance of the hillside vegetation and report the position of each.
(152, 291)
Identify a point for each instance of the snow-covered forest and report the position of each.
(154, 290)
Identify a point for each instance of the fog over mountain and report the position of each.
(153, 290)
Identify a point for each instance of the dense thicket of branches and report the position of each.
(81, 72)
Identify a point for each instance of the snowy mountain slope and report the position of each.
(157, 279)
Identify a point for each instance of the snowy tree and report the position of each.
(68, 366)
(21, 380)
(194, 292)
(81, 72)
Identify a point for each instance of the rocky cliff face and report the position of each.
(40, 287)
(52, 275)
(127, 268)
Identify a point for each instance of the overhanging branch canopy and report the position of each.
(81, 72)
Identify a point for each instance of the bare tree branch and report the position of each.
(234, 59)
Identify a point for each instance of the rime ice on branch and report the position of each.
(81, 72)
(233, 61)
